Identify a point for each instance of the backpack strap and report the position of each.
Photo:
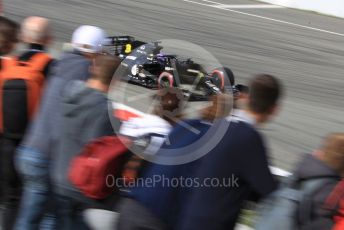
(332, 202)
(310, 188)
(7, 62)
(39, 61)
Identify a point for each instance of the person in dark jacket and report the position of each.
(84, 117)
(241, 156)
(8, 40)
(327, 164)
(35, 154)
(36, 35)
(238, 164)
(8, 35)
(157, 207)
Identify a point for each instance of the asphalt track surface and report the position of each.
(309, 61)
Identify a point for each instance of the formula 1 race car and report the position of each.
(147, 66)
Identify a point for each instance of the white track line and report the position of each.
(274, 170)
(217, 3)
(262, 17)
(244, 6)
(257, 6)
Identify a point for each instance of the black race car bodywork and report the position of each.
(146, 66)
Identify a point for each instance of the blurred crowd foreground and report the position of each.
(59, 148)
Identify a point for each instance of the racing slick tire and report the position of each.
(165, 80)
(218, 78)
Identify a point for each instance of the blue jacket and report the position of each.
(162, 200)
(239, 154)
(240, 161)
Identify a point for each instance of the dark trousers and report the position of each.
(70, 214)
(10, 182)
(134, 216)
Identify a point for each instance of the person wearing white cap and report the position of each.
(36, 152)
(88, 39)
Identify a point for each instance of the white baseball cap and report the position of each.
(88, 39)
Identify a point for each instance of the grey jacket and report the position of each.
(312, 168)
(41, 134)
(84, 118)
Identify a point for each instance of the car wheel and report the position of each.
(165, 80)
(217, 78)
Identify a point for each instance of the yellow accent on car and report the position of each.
(128, 48)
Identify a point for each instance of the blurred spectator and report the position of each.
(37, 150)
(22, 80)
(149, 132)
(8, 35)
(156, 124)
(310, 198)
(157, 207)
(8, 40)
(84, 117)
(326, 164)
(36, 34)
(241, 157)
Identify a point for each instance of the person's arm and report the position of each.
(255, 168)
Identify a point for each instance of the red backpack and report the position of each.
(21, 84)
(335, 202)
(97, 169)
